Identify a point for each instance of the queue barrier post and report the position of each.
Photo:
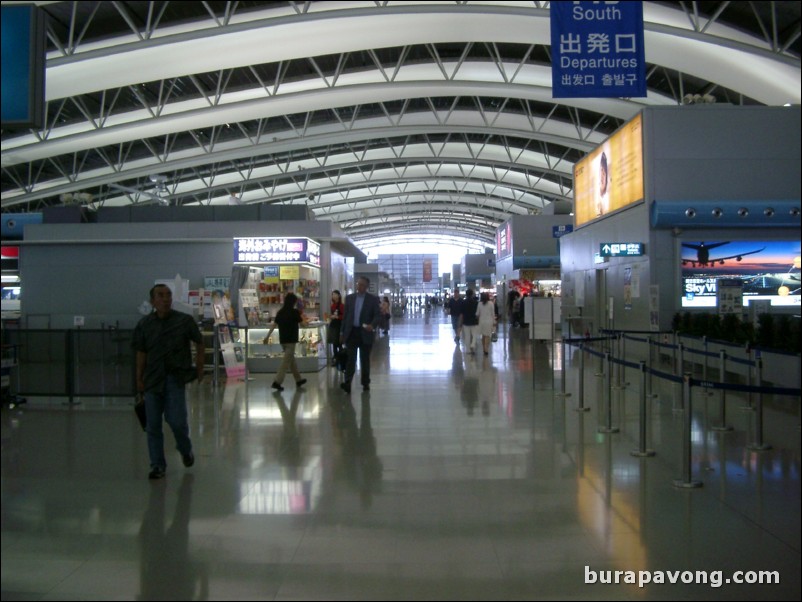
(685, 482)
(562, 392)
(608, 386)
(642, 451)
(722, 399)
(581, 391)
(759, 444)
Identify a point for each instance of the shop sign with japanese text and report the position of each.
(276, 250)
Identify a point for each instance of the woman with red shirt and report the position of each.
(335, 325)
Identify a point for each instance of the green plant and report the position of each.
(777, 332)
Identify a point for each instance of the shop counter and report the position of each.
(310, 352)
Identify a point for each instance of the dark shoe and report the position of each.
(189, 459)
(300, 383)
(277, 386)
(156, 473)
(346, 387)
(366, 387)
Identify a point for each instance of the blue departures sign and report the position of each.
(597, 50)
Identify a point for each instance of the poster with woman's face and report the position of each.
(611, 176)
(602, 191)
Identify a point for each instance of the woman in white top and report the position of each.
(486, 313)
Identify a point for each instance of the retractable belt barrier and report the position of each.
(684, 379)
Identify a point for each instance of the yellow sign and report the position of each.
(611, 176)
(289, 272)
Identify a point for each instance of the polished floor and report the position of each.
(456, 477)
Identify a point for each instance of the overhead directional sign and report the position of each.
(562, 230)
(621, 249)
(597, 49)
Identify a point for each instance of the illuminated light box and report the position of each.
(770, 270)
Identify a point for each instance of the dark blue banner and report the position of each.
(597, 50)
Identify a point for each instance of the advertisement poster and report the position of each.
(627, 288)
(504, 240)
(611, 176)
(730, 296)
(654, 307)
(232, 349)
(770, 271)
(249, 299)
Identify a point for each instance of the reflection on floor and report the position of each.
(457, 476)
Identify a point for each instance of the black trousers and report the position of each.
(355, 344)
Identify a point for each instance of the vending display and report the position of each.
(267, 298)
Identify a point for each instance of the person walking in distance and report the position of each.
(486, 316)
(163, 368)
(288, 319)
(454, 309)
(469, 322)
(335, 325)
(362, 319)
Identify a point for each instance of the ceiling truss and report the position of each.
(426, 135)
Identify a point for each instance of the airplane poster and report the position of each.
(770, 270)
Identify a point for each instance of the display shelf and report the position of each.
(310, 352)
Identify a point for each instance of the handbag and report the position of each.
(139, 410)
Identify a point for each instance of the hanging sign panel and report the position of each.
(621, 249)
(276, 250)
(611, 176)
(597, 50)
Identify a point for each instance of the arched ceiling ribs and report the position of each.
(403, 110)
(417, 225)
(555, 135)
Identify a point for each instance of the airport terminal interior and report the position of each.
(456, 476)
(165, 131)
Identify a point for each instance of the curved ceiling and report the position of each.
(393, 118)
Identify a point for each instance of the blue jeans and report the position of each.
(171, 403)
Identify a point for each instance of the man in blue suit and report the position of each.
(362, 318)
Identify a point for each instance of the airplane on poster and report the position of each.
(703, 258)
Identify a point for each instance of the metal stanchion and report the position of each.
(722, 401)
(750, 366)
(642, 452)
(680, 366)
(608, 380)
(562, 392)
(216, 354)
(674, 352)
(704, 348)
(619, 379)
(600, 370)
(686, 482)
(581, 392)
(651, 393)
(759, 445)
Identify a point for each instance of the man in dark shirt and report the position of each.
(163, 367)
(469, 322)
(362, 318)
(454, 307)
